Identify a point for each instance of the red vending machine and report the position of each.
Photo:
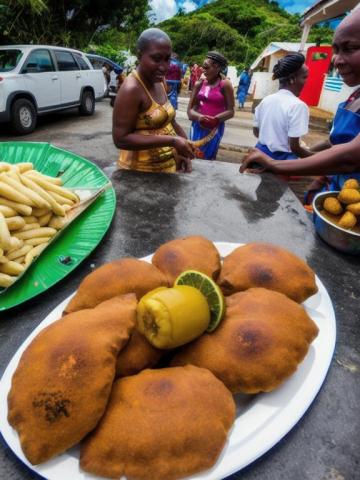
(318, 60)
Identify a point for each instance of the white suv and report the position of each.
(38, 79)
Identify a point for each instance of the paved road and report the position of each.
(91, 136)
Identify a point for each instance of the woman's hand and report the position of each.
(206, 121)
(183, 164)
(183, 147)
(256, 162)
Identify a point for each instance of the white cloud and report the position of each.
(189, 6)
(163, 9)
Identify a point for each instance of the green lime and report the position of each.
(210, 290)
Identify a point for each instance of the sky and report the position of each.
(164, 9)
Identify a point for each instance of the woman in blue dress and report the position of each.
(243, 88)
(341, 159)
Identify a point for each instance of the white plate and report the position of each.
(262, 420)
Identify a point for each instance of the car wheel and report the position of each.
(87, 104)
(23, 116)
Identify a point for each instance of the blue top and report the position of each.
(345, 128)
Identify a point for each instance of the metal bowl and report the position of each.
(339, 238)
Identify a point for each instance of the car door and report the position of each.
(70, 77)
(41, 79)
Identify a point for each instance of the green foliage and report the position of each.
(73, 23)
(240, 29)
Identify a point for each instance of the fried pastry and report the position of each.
(160, 425)
(258, 345)
(127, 275)
(137, 355)
(189, 253)
(62, 384)
(268, 266)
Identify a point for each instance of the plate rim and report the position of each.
(229, 457)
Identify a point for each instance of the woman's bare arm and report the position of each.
(343, 158)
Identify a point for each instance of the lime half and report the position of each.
(210, 290)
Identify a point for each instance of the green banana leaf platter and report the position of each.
(80, 237)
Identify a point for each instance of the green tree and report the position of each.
(71, 23)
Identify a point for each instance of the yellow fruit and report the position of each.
(348, 220)
(349, 195)
(351, 183)
(354, 208)
(210, 289)
(332, 205)
(170, 317)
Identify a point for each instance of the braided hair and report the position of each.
(219, 59)
(150, 35)
(287, 67)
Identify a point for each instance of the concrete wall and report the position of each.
(329, 100)
(262, 85)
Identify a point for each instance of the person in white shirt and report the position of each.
(281, 119)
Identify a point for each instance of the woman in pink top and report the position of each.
(211, 103)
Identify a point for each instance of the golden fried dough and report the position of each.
(349, 195)
(259, 344)
(160, 425)
(332, 205)
(63, 381)
(137, 355)
(127, 275)
(354, 208)
(268, 266)
(348, 220)
(351, 183)
(189, 253)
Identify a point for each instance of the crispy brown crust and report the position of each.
(268, 266)
(189, 253)
(259, 344)
(161, 425)
(62, 384)
(127, 275)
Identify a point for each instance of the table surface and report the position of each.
(219, 203)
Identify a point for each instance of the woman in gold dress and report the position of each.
(144, 125)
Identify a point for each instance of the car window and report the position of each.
(82, 64)
(9, 59)
(65, 61)
(39, 61)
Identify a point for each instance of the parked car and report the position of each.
(38, 79)
(98, 61)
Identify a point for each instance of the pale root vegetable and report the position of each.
(36, 232)
(30, 218)
(7, 211)
(30, 226)
(39, 212)
(37, 241)
(12, 194)
(5, 237)
(47, 185)
(54, 180)
(15, 223)
(6, 280)
(33, 253)
(57, 222)
(12, 268)
(18, 207)
(21, 252)
(55, 206)
(15, 243)
(45, 219)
